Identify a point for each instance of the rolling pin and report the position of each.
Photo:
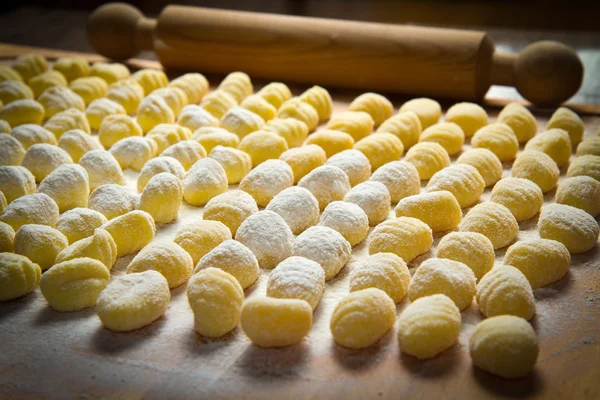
(434, 62)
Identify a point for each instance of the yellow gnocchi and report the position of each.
(134, 152)
(46, 80)
(486, 162)
(297, 278)
(7, 239)
(16, 181)
(376, 105)
(205, 180)
(300, 110)
(152, 111)
(14, 90)
(259, 106)
(241, 121)
(292, 130)
(67, 120)
(110, 72)
(210, 137)
(30, 65)
(304, 159)
(218, 102)
(499, 138)
(428, 158)
(276, 93)
(4, 126)
(266, 180)
(150, 79)
(236, 163)
(35, 208)
(573, 227)
(361, 318)
(357, 124)
(380, 148)
(11, 150)
(262, 146)
(193, 84)
(168, 258)
(581, 192)
(374, 199)
(429, 111)
(470, 248)
(405, 125)
(589, 146)
(200, 237)
(161, 197)
(99, 109)
(327, 183)
(77, 142)
(401, 179)
(115, 127)
(99, 246)
(462, 180)
(57, 99)
(538, 167)
(131, 231)
(102, 168)
(567, 120)
(348, 219)
(230, 208)
(112, 200)
(428, 326)
(18, 276)
(587, 165)
(234, 258)
(174, 97)
(80, 223)
(505, 291)
(72, 67)
(238, 85)
(320, 99)
(324, 246)
(448, 134)
(332, 142)
(9, 74)
(166, 135)
(469, 116)
(522, 197)
(42, 159)
(68, 186)
(194, 117)
(156, 166)
(542, 261)
(187, 152)
(439, 210)
(385, 271)
(520, 120)
(39, 243)
(89, 88)
(494, 221)
(30, 134)
(21, 112)
(554, 142)
(405, 237)
(354, 163)
(128, 93)
(297, 206)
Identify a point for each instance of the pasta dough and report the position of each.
(231, 208)
(200, 237)
(522, 197)
(505, 291)
(18, 276)
(428, 158)
(168, 258)
(266, 180)
(324, 246)
(297, 278)
(385, 271)
(573, 227)
(406, 237)
(492, 220)
(462, 180)
(39, 243)
(234, 258)
(542, 261)
(298, 208)
(440, 210)
(470, 248)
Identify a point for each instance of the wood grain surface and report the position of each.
(47, 354)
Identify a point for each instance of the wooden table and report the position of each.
(47, 354)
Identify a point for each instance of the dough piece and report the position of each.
(428, 326)
(42, 159)
(275, 93)
(428, 158)
(238, 85)
(187, 152)
(231, 208)
(127, 93)
(68, 120)
(522, 197)
(235, 259)
(210, 137)
(216, 299)
(218, 102)
(440, 210)
(406, 237)
(14, 90)
(36, 208)
(133, 301)
(99, 246)
(406, 126)
(266, 180)
(542, 261)
(11, 150)
(166, 135)
(131, 231)
(77, 142)
(168, 258)
(57, 99)
(348, 219)
(3, 202)
(324, 246)
(110, 72)
(440, 275)
(499, 138)
(262, 146)
(79, 223)
(194, 117)
(30, 65)
(504, 345)
(99, 109)
(236, 163)
(505, 291)
(115, 127)
(327, 183)
(380, 148)
(297, 278)
(588, 165)
(4, 126)
(152, 111)
(520, 120)
(162, 197)
(361, 318)
(374, 199)
(241, 121)
(102, 168)
(470, 248)
(494, 221)
(30, 134)
(7, 238)
(46, 80)
(567, 120)
(320, 99)
(89, 88)
(193, 84)
(75, 284)
(573, 227)
(554, 142)
(298, 109)
(538, 167)
(377, 106)
(469, 116)
(292, 130)
(134, 152)
(259, 106)
(428, 110)
(18, 276)
(68, 186)
(400, 177)
(354, 163)
(21, 112)
(462, 180)
(39, 243)
(15, 182)
(580, 191)
(486, 162)
(156, 166)
(175, 98)
(332, 142)
(385, 271)
(589, 146)
(271, 322)
(150, 79)
(9, 74)
(297, 206)
(304, 159)
(200, 237)
(357, 124)
(268, 236)
(205, 180)
(448, 134)
(72, 67)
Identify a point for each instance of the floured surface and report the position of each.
(69, 355)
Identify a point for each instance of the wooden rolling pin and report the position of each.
(381, 57)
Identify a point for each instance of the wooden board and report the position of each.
(46, 354)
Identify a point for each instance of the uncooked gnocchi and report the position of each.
(58, 99)
(266, 180)
(298, 109)
(324, 246)
(297, 278)
(68, 186)
(39, 243)
(580, 191)
(11, 150)
(588, 165)
(210, 137)
(428, 158)
(401, 179)
(193, 84)
(205, 180)
(154, 110)
(9, 74)
(241, 121)
(218, 102)
(89, 88)
(292, 130)
(161, 197)
(14, 90)
(380, 148)
(35, 208)
(127, 93)
(168, 258)
(175, 98)
(440, 210)
(230, 208)
(46, 80)
(332, 142)
(499, 138)
(385, 271)
(521, 196)
(77, 142)
(150, 79)
(116, 127)
(275, 93)
(487, 163)
(520, 120)
(320, 99)
(21, 112)
(297, 206)
(236, 163)
(554, 142)
(589, 146)
(102, 168)
(238, 85)
(538, 167)
(200, 237)
(429, 111)
(131, 231)
(99, 246)
(67, 120)
(30, 65)
(470, 248)
(348, 219)
(134, 152)
(234, 258)
(462, 180)
(573, 227)
(377, 106)
(42, 159)
(157, 165)
(30, 134)
(492, 220)
(448, 134)
(304, 159)
(79, 223)
(569, 121)
(194, 117)
(406, 237)
(166, 135)
(262, 146)
(18, 276)
(405, 125)
(469, 116)
(187, 152)
(505, 291)
(354, 163)
(7, 238)
(357, 124)
(374, 199)
(72, 67)
(110, 72)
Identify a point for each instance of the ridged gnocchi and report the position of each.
(405, 237)
(492, 220)
(304, 159)
(205, 180)
(266, 180)
(39, 243)
(128, 93)
(405, 125)
(324, 246)
(376, 105)
(134, 152)
(499, 138)
(238, 85)
(30, 134)
(21, 112)
(131, 231)
(428, 158)
(462, 180)
(522, 197)
(448, 134)
(439, 210)
(156, 166)
(327, 183)
(14, 90)
(320, 99)
(554, 142)
(357, 124)
(72, 67)
(581, 192)
(168, 258)
(298, 207)
(505, 291)
(68, 186)
(236, 163)
(276, 93)
(401, 179)
(520, 120)
(538, 167)
(332, 142)
(30, 65)
(166, 135)
(187, 152)
(42, 159)
(194, 117)
(297, 278)
(292, 130)
(354, 163)
(429, 111)
(262, 146)
(385, 271)
(115, 127)
(218, 102)
(18, 276)
(588, 165)
(473, 249)
(150, 79)
(99, 246)
(348, 219)
(80, 223)
(102, 168)
(469, 116)
(234, 258)
(298, 109)
(152, 111)
(89, 88)
(210, 137)
(373, 197)
(110, 72)
(201, 237)
(77, 142)
(542, 261)
(573, 227)
(193, 84)
(567, 120)
(161, 197)
(380, 148)
(35, 208)
(230, 208)
(46, 80)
